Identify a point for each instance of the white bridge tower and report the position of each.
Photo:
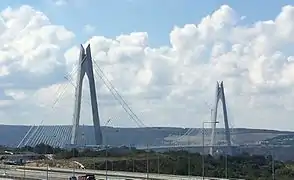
(220, 96)
(85, 66)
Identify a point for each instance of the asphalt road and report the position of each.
(124, 175)
(12, 172)
(62, 174)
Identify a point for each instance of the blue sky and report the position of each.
(157, 17)
(245, 60)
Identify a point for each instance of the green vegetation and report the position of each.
(179, 163)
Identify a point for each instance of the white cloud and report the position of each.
(71, 3)
(89, 29)
(30, 42)
(166, 86)
(61, 2)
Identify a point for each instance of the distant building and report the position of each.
(20, 158)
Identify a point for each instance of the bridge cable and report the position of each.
(117, 96)
(119, 101)
(191, 130)
(59, 95)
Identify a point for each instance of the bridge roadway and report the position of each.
(58, 173)
(171, 146)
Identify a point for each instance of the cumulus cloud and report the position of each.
(166, 86)
(30, 42)
(30, 54)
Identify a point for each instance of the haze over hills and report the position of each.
(11, 135)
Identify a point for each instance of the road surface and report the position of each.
(34, 174)
(58, 173)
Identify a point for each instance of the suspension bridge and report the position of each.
(76, 135)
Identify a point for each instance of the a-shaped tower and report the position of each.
(85, 66)
(220, 96)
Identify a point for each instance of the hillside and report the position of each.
(11, 135)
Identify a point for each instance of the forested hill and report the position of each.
(11, 135)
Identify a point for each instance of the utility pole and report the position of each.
(106, 154)
(46, 151)
(203, 151)
(273, 165)
(133, 162)
(24, 170)
(147, 162)
(106, 162)
(189, 160)
(47, 174)
(203, 146)
(5, 170)
(189, 165)
(226, 165)
(133, 158)
(157, 164)
(126, 165)
(73, 155)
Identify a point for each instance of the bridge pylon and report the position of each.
(220, 96)
(85, 66)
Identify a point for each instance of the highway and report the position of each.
(58, 173)
(37, 175)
